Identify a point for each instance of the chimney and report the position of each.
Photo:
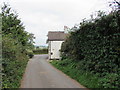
(66, 29)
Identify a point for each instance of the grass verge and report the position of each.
(86, 79)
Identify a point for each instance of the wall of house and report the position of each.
(54, 49)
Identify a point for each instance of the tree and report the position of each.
(115, 5)
(15, 45)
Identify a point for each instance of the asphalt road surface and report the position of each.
(41, 74)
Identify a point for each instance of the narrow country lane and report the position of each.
(41, 74)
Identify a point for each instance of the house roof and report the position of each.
(56, 36)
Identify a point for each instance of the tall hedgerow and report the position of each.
(96, 48)
(15, 44)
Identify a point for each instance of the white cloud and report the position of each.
(40, 16)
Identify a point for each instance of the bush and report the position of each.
(110, 80)
(95, 46)
(15, 42)
(14, 63)
(30, 53)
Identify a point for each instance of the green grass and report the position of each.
(84, 78)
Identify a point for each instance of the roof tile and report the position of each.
(56, 35)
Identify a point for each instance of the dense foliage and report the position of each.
(95, 46)
(15, 44)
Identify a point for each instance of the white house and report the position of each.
(55, 40)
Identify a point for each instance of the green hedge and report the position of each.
(15, 43)
(14, 63)
(40, 51)
(96, 47)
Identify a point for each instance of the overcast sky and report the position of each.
(41, 16)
